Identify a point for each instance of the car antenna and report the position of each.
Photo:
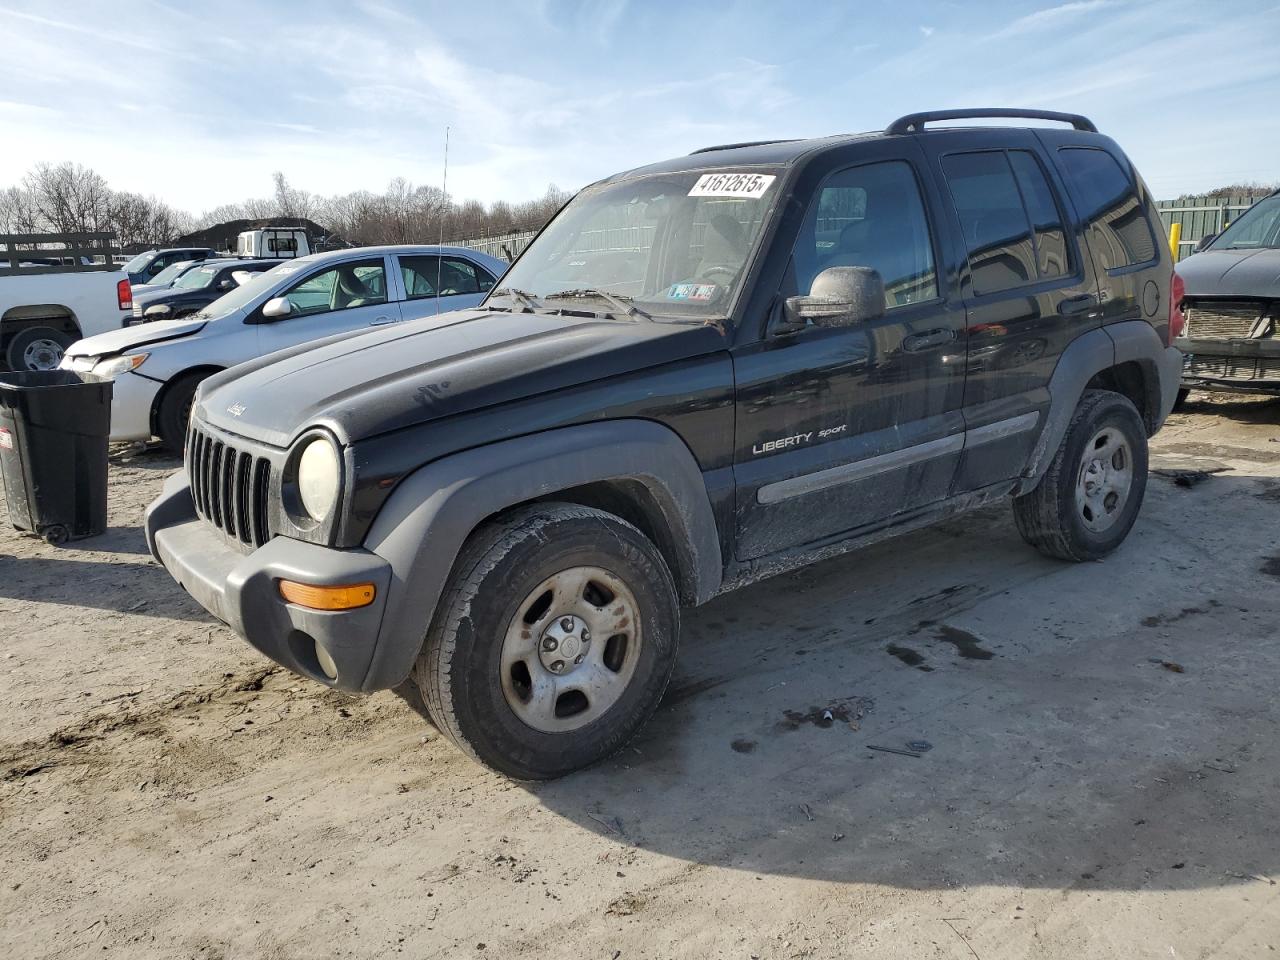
(444, 203)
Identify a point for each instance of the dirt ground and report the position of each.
(1102, 776)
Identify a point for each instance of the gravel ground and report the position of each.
(1102, 779)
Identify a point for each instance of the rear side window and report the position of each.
(1046, 219)
(1119, 234)
(997, 232)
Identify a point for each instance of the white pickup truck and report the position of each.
(56, 289)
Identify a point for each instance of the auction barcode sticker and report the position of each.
(6, 439)
(749, 186)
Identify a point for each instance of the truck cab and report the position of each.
(281, 243)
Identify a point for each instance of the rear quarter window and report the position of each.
(1107, 199)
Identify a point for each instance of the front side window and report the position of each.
(675, 244)
(1119, 234)
(344, 287)
(1258, 227)
(870, 216)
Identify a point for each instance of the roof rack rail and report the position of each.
(914, 122)
(733, 146)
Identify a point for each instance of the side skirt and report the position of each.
(784, 561)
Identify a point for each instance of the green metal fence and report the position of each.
(1201, 216)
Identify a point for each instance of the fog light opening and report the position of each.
(327, 665)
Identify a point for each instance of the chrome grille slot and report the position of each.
(1232, 320)
(229, 487)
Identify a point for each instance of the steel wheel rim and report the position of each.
(43, 354)
(586, 620)
(1104, 480)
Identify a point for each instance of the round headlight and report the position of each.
(319, 478)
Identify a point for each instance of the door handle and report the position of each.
(1074, 306)
(381, 321)
(926, 341)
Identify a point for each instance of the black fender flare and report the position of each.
(424, 523)
(1083, 359)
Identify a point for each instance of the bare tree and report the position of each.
(70, 198)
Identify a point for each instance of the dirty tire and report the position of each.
(1048, 517)
(47, 342)
(1181, 400)
(459, 670)
(175, 409)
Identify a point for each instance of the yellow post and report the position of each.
(1175, 237)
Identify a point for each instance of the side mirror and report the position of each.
(1204, 242)
(160, 311)
(838, 297)
(277, 308)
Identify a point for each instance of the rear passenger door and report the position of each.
(459, 282)
(1028, 288)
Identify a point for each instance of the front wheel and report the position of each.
(553, 641)
(37, 348)
(175, 412)
(1089, 498)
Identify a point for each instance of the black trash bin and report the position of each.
(54, 426)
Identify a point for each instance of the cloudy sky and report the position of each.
(199, 103)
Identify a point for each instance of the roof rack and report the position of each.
(734, 146)
(914, 122)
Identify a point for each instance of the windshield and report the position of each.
(169, 274)
(674, 244)
(1257, 228)
(196, 279)
(140, 261)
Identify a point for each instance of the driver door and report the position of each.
(345, 297)
(839, 428)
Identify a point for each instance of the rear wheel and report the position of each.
(175, 411)
(1089, 498)
(553, 642)
(37, 348)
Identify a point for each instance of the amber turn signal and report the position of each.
(349, 596)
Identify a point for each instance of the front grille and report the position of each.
(229, 487)
(1233, 320)
(1240, 369)
(137, 310)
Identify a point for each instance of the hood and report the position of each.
(411, 373)
(1232, 273)
(118, 341)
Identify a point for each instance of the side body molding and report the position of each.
(422, 526)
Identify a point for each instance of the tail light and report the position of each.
(1177, 322)
(124, 294)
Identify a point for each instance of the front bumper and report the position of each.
(1237, 366)
(242, 589)
(132, 398)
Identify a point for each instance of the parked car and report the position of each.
(157, 366)
(1230, 293)
(166, 277)
(148, 264)
(701, 373)
(195, 289)
(48, 301)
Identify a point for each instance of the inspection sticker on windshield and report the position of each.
(692, 291)
(749, 186)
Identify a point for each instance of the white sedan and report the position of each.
(157, 366)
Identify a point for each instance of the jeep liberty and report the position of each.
(701, 373)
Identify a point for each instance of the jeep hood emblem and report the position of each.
(236, 409)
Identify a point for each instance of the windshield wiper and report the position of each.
(527, 299)
(618, 302)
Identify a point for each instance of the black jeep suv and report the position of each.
(702, 372)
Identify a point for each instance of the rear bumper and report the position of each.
(242, 589)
